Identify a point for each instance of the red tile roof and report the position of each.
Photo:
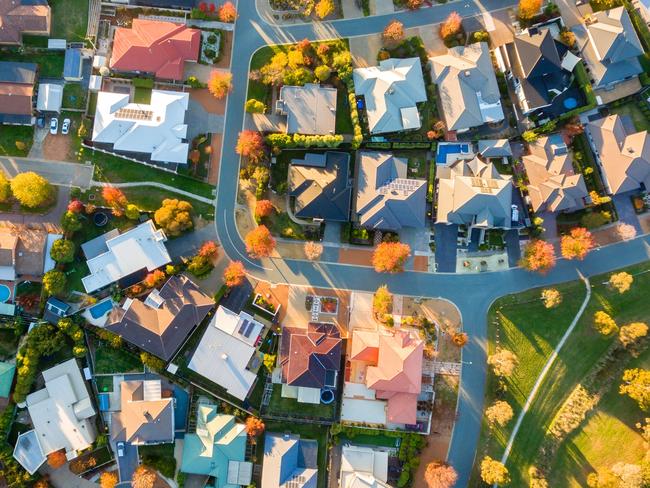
(16, 99)
(156, 47)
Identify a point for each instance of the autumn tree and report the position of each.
(313, 250)
(115, 198)
(5, 188)
(577, 244)
(323, 72)
(631, 333)
(382, 301)
(234, 274)
(452, 26)
(538, 256)
(324, 8)
(56, 459)
(459, 339)
(439, 474)
(621, 282)
(174, 216)
(254, 426)
(227, 13)
(389, 257)
(75, 206)
(494, 472)
(250, 144)
(259, 242)
(568, 38)
(54, 282)
(393, 32)
(536, 478)
(636, 385)
(503, 362)
(62, 251)
(143, 477)
(414, 4)
(31, 189)
(132, 212)
(499, 413)
(71, 223)
(263, 208)
(220, 84)
(551, 297)
(108, 479)
(209, 249)
(254, 106)
(626, 231)
(154, 279)
(529, 9)
(604, 323)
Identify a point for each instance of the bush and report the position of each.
(174, 216)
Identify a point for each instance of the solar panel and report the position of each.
(134, 114)
(242, 327)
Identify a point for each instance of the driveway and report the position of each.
(446, 246)
(128, 463)
(200, 121)
(56, 172)
(238, 296)
(511, 238)
(52, 217)
(625, 210)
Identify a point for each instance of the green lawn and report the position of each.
(104, 383)
(69, 19)
(9, 134)
(160, 457)
(343, 118)
(50, 64)
(74, 96)
(142, 95)
(291, 407)
(281, 225)
(111, 361)
(633, 110)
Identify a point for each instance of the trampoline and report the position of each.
(326, 396)
(570, 103)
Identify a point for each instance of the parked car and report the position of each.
(515, 213)
(40, 122)
(120, 449)
(65, 128)
(54, 125)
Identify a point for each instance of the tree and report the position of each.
(452, 26)
(538, 256)
(263, 208)
(174, 216)
(56, 459)
(551, 297)
(75, 206)
(323, 72)
(227, 13)
(269, 362)
(636, 385)
(459, 339)
(626, 231)
(254, 426)
(31, 190)
(132, 212)
(530, 136)
(254, 106)
(209, 249)
(151, 361)
(54, 282)
(631, 333)
(568, 38)
(220, 84)
(536, 478)
(313, 250)
(5, 188)
(259, 242)
(621, 282)
(529, 8)
(154, 279)
(499, 413)
(108, 479)
(393, 32)
(324, 8)
(503, 362)
(577, 244)
(439, 474)
(115, 198)
(604, 323)
(382, 301)
(414, 4)
(234, 274)
(62, 251)
(630, 475)
(250, 144)
(71, 222)
(389, 257)
(494, 472)
(143, 477)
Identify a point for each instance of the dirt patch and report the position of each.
(224, 62)
(207, 101)
(215, 158)
(359, 257)
(58, 148)
(421, 263)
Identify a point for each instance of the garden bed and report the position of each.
(262, 304)
(210, 46)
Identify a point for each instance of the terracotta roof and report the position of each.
(8, 243)
(29, 251)
(17, 19)
(155, 47)
(16, 99)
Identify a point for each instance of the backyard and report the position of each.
(633, 110)
(69, 19)
(10, 134)
(111, 361)
(74, 96)
(50, 64)
(292, 408)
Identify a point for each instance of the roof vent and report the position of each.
(630, 150)
(224, 356)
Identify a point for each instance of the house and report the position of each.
(610, 48)
(320, 187)
(55, 310)
(387, 199)
(7, 372)
(145, 417)
(494, 148)
(467, 86)
(553, 185)
(217, 448)
(289, 461)
(62, 415)
(16, 91)
(154, 133)
(363, 467)
(50, 97)
(622, 153)
(227, 353)
(155, 47)
(310, 109)
(474, 194)
(384, 381)
(72, 65)
(310, 359)
(161, 322)
(391, 92)
(24, 252)
(540, 68)
(18, 17)
(125, 258)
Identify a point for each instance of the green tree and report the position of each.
(636, 385)
(152, 361)
(132, 212)
(382, 301)
(54, 282)
(45, 339)
(530, 136)
(254, 106)
(71, 222)
(62, 251)
(5, 188)
(31, 189)
(323, 72)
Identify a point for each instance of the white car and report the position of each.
(65, 128)
(515, 213)
(120, 449)
(54, 126)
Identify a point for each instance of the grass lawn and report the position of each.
(160, 457)
(50, 64)
(291, 407)
(74, 96)
(343, 118)
(633, 110)
(417, 163)
(9, 134)
(104, 383)
(110, 361)
(69, 19)
(142, 95)
(92, 104)
(371, 440)
(280, 224)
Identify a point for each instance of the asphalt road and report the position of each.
(57, 172)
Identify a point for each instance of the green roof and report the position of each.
(7, 371)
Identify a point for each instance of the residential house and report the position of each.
(365, 467)
(55, 310)
(124, 258)
(217, 449)
(387, 199)
(16, 90)
(18, 17)
(289, 461)
(610, 48)
(7, 372)
(73, 64)
(494, 148)
(391, 92)
(310, 109)
(161, 322)
(320, 187)
(310, 359)
(25, 252)
(62, 415)
(155, 133)
(155, 47)
(467, 87)
(145, 417)
(227, 353)
(622, 153)
(553, 185)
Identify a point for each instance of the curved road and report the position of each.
(473, 294)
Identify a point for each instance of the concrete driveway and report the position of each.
(625, 210)
(200, 121)
(127, 463)
(446, 247)
(56, 172)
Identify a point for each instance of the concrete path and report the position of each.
(57, 172)
(351, 10)
(155, 184)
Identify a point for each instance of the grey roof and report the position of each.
(387, 198)
(321, 191)
(310, 109)
(13, 72)
(28, 451)
(469, 93)
(97, 246)
(494, 148)
(289, 461)
(610, 47)
(72, 63)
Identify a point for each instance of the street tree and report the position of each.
(538, 256)
(220, 84)
(31, 189)
(551, 297)
(577, 243)
(439, 474)
(324, 8)
(621, 281)
(5, 188)
(108, 479)
(503, 362)
(626, 231)
(529, 9)
(313, 250)
(174, 216)
(459, 339)
(636, 385)
(389, 257)
(259, 242)
(234, 274)
(250, 145)
(393, 32)
(382, 301)
(263, 208)
(494, 472)
(499, 413)
(451, 27)
(227, 12)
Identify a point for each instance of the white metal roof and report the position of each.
(363, 467)
(49, 263)
(50, 97)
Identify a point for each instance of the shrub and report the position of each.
(54, 282)
(62, 251)
(604, 323)
(255, 106)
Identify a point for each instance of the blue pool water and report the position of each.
(97, 311)
(5, 293)
(445, 149)
(182, 403)
(570, 103)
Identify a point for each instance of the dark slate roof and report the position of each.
(13, 72)
(15, 119)
(72, 63)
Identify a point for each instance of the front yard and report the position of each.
(10, 135)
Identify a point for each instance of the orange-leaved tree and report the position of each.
(208, 249)
(259, 242)
(440, 475)
(250, 144)
(234, 274)
(529, 8)
(220, 84)
(115, 198)
(108, 479)
(227, 12)
(56, 459)
(143, 477)
(263, 208)
(155, 278)
(393, 32)
(389, 257)
(577, 244)
(538, 256)
(451, 26)
(254, 426)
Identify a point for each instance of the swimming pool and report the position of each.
(445, 150)
(5, 293)
(102, 308)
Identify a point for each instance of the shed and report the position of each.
(50, 97)
(59, 44)
(95, 83)
(72, 65)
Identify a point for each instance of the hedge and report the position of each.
(143, 82)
